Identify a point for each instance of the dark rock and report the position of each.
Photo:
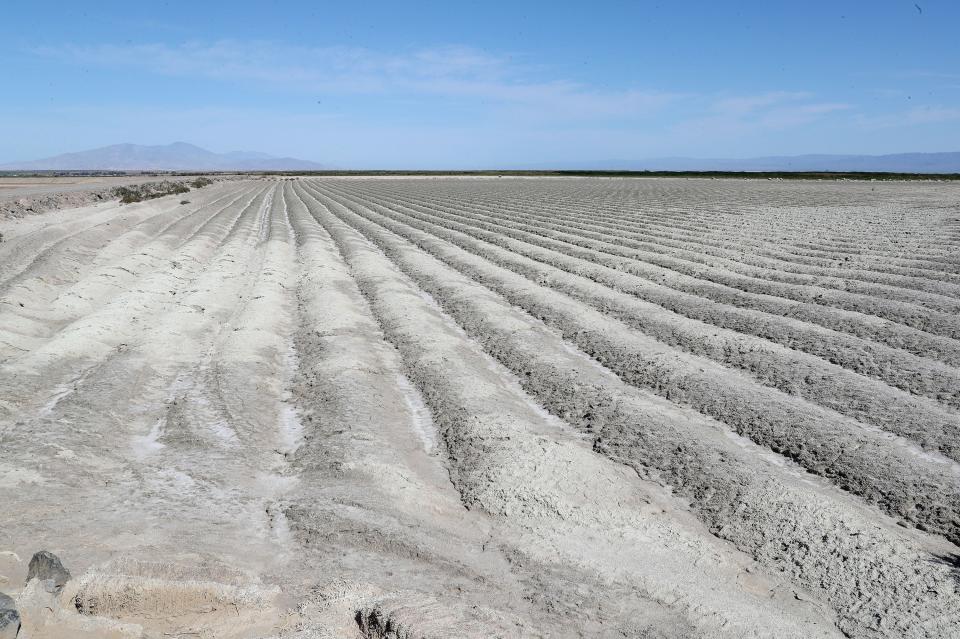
(9, 618)
(46, 567)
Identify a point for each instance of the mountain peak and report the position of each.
(176, 156)
(183, 145)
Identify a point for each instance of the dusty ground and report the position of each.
(23, 196)
(486, 408)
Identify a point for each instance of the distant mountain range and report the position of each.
(895, 163)
(181, 156)
(178, 156)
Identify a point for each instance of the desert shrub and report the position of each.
(128, 195)
(149, 191)
(201, 182)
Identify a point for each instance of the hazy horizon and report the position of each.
(435, 86)
(181, 155)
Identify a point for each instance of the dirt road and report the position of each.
(462, 407)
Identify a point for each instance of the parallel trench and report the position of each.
(201, 350)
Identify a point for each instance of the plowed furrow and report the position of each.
(86, 242)
(425, 406)
(900, 369)
(43, 304)
(114, 325)
(782, 517)
(923, 421)
(859, 460)
(492, 435)
(665, 239)
(857, 324)
(909, 314)
(642, 212)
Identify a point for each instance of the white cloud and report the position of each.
(752, 103)
(454, 71)
(912, 117)
(742, 115)
(507, 99)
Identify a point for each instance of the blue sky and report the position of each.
(485, 84)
